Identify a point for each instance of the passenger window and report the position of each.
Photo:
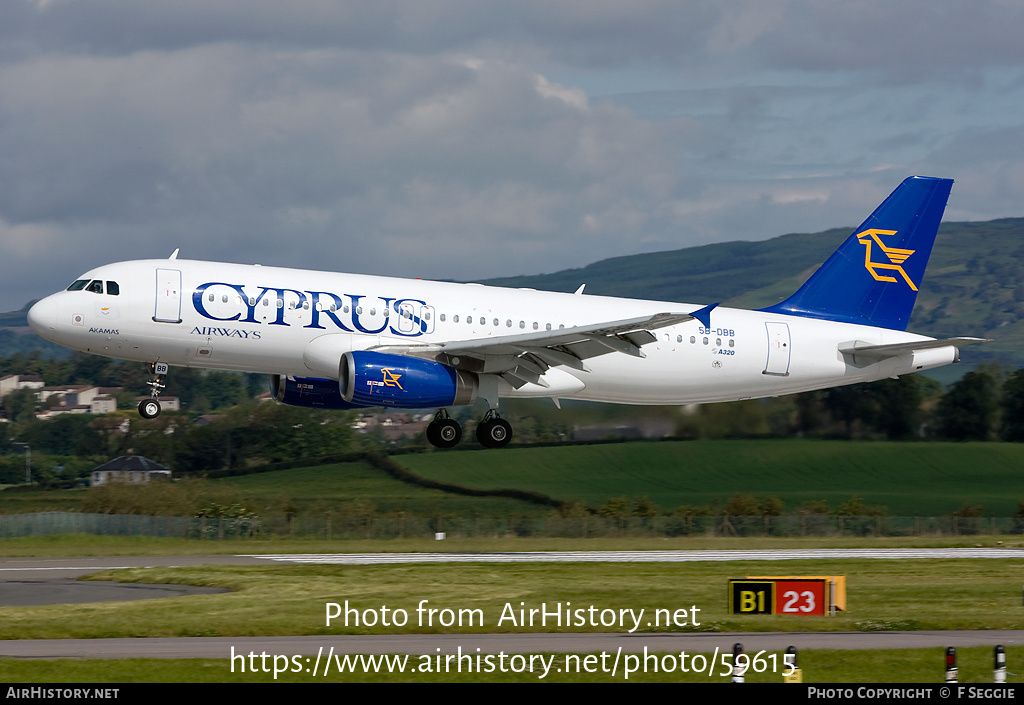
(95, 286)
(113, 289)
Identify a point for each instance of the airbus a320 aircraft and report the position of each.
(343, 341)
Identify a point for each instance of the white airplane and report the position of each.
(343, 341)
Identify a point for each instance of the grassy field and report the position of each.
(911, 479)
(883, 595)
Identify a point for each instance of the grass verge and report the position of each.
(821, 666)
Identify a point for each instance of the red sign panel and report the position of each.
(801, 597)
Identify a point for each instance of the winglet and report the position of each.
(704, 315)
(174, 255)
(579, 292)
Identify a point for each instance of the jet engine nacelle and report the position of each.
(378, 379)
(308, 391)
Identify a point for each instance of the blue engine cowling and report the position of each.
(379, 379)
(309, 391)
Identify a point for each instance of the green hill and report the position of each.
(974, 284)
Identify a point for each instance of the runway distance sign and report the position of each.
(795, 595)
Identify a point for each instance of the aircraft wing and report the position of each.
(526, 357)
(894, 349)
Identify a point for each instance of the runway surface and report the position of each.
(50, 581)
(645, 556)
(36, 581)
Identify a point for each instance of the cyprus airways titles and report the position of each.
(348, 341)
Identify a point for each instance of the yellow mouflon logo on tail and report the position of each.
(896, 256)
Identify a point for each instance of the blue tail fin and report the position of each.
(874, 276)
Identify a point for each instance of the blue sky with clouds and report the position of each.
(469, 139)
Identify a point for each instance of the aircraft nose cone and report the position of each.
(42, 317)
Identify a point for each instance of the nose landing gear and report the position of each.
(150, 408)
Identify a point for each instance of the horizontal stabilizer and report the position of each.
(895, 349)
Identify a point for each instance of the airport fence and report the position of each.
(553, 526)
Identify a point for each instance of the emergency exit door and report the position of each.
(779, 349)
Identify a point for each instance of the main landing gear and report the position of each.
(492, 432)
(150, 408)
(444, 431)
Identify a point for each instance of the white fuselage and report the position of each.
(295, 322)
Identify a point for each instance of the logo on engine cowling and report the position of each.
(390, 378)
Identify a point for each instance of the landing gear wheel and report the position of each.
(494, 432)
(449, 433)
(149, 409)
(443, 431)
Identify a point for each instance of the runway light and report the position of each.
(951, 673)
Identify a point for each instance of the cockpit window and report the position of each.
(95, 286)
(78, 285)
(113, 289)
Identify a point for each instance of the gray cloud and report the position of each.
(473, 139)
